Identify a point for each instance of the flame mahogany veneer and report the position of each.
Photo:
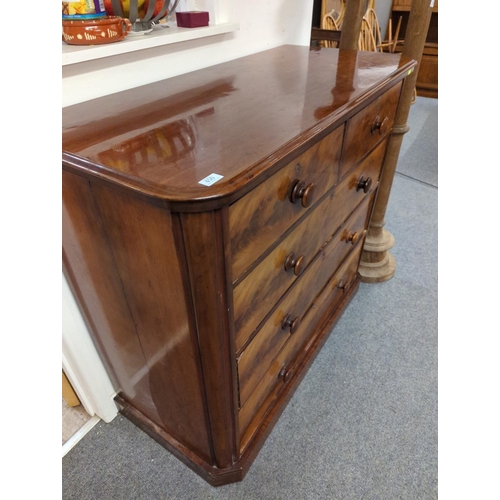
(208, 303)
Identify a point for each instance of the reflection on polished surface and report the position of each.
(168, 143)
(296, 90)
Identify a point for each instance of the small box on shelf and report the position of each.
(192, 19)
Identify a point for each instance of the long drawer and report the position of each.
(264, 214)
(286, 319)
(367, 127)
(283, 365)
(262, 288)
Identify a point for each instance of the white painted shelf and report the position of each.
(72, 54)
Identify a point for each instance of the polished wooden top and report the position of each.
(241, 120)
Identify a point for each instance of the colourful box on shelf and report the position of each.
(192, 19)
(83, 9)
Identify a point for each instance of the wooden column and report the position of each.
(377, 263)
(351, 26)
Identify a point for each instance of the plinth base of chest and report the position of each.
(219, 477)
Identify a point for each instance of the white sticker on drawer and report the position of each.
(211, 179)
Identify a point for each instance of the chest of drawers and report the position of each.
(212, 229)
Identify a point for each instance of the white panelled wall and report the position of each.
(263, 24)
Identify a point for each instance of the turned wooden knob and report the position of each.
(364, 184)
(297, 263)
(285, 374)
(380, 125)
(352, 237)
(303, 192)
(293, 323)
(342, 285)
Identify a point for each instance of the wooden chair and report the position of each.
(328, 23)
(322, 36)
(370, 37)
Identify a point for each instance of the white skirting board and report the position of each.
(75, 438)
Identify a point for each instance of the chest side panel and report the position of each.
(139, 246)
(89, 266)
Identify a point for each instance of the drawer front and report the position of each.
(266, 212)
(254, 296)
(286, 320)
(283, 365)
(367, 127)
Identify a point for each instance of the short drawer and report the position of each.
(283, 366)
(367, 127)
(254, 296)
(286, 319)
(266, 212)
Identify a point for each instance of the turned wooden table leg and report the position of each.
(351, 26)
(377, 264)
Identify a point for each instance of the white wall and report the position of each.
(263, 24)
(383, 10)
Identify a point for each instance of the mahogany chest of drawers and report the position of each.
(212, 229)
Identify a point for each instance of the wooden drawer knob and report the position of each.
(297, 263)
(293, 323)
(352, 237)
(285, 374)
(303, 192)
(342, 285)
(364, 184)
(380, 125)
